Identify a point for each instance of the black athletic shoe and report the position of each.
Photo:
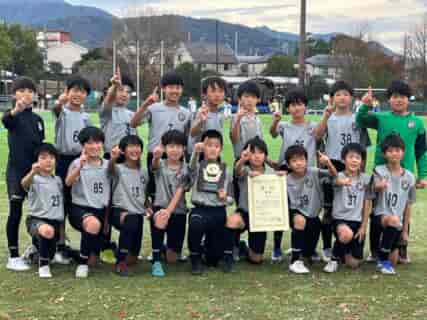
(243, 250)
(229, 266)
(196, 266)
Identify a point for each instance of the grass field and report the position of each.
(254, 292)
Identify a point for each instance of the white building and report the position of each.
(66, 54)
(253, 66)
(58, 47)
(324, 66)
(204, 56)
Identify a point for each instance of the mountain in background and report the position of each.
(92, 27)
(32, 12)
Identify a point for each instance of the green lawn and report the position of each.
(254, 292)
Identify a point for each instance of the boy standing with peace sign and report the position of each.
(70, 120)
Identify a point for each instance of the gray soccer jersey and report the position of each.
(130, 189)
(67, 127)
(301, 134)
(210, 199)
(167, 182)
(45, 198)
(115, 123)
(250, 127)
(243, 186)
(341, 130)
(399, 192)
(214, 121)
(349, 200)
(305, 194)
(162, 118)
(92, 187)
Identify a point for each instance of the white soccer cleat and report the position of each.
(82, 271)
(371, 259)
(17, 264)
(44, 272)
(331, 267)
(59, 258)
(326, 255)
(298, 267)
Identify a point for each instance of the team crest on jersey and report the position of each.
(308, 182)
(181, 116)
(354, 126)
(405, 185)
(359, 186)
(310, 131)
(142, 180)
(411, 124)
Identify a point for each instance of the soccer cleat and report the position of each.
(236, 254)
(157, 269)
(386, 267)
(17, 264)
(277, 256)
(228, 266)
(61, 258)
(243, 250)
(182, 258)
(331, 267)
(196, 266)
(121, 269)
(298, 267)
(82, 271)
(326, 255)
(371, 258)
(315, 257)
(44, 272)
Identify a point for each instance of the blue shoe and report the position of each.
(386, 267)
(277, 256)
(157, 269)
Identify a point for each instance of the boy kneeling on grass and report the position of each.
(350, 211)
(394, 189)
(45, 203)
(90, 191)
(210, 193)
(252, 163)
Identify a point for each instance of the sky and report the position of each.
(386, 21)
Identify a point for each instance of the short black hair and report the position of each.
(126, 81)
(213, 82)
(341, 85)
(23, 83)
(212, 134)
(171, 79)
(257, 143)
(393, 140)
(174, 137)
(249, 87)
(91, 133)
(295, 150)
(353, 147)
(46, 148)
(76, 81)
(131, 139)
(296, 96)
(399, 87)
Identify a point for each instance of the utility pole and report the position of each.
(216, 46)
(302, 40)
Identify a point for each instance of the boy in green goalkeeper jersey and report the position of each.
(409, 127)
